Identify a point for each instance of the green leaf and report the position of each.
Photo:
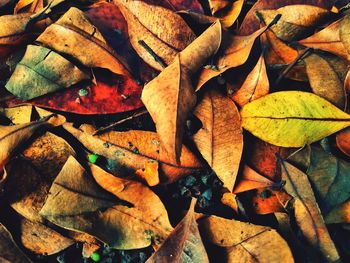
(292, 118)
(328, 175)
(42, 71)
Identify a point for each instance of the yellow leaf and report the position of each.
(292, 118)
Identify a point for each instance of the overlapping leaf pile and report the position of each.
(174, 131)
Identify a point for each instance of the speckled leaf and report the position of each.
(42, 71)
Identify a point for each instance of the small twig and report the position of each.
(111, 126)
(153, 54)
(291, 65)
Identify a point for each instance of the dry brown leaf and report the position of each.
(74, 35)
(339, 214)
(277, 51)
(296, 21)
(307, 213)
(18, 115)
(220, 140)
(184, 244)
(236, 50)
(250, 180)
(325, 81)
(329, 40)
(133, 217)
(9, 251)
(245, 242)
(42, 240)
(90, 243)
(134, 149)
(256, 84)
(30, 5)
(227, 11)
(164, 31)
(27, 194)
(11, 137)
(169, 100)
(13, 32)
(170, 96)
(149, 173)
(343, 141)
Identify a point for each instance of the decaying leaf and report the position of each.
(171, 96)
(324, 80)
(245, 242)
(162, 30)
(9, 251)
(42, 71)
(307, 214)
(135, 219)
(11, 137)
(332, 38)
(220, 140)
(133, 150)
(339, 214)
(74, 35)
(41, 239)
(249, 180)
(292, 118)
(184, 244)
(256, 84)
(31, 5)
(343, 141)
(296, 21)
(227, 11)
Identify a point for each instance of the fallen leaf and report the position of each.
(267, 201)
(250, 180)
(307, 214)
(324, 80)
(220, 140)
(42, 240)
(245, 242)
(18, 115)
(339, 214)
(44, 71)
(31, 5)
(74, 35)
(184, 243)
(173, 99)
(256, 84)
(296, 21)
(236, 50)
(14, 33)
(135, 220)
(11, 137)
(277, 51)
(9, 251)
(132, 150)
(251, 23)
(149, 173)
(343, 141)
(328, 39)
(162, 30)
(227, 11)
(292, 118)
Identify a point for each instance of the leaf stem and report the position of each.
(153, 54)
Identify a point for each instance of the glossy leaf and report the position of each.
(292, 118)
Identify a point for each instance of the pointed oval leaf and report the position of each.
(292, 118)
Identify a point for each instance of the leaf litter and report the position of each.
(174, 131)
